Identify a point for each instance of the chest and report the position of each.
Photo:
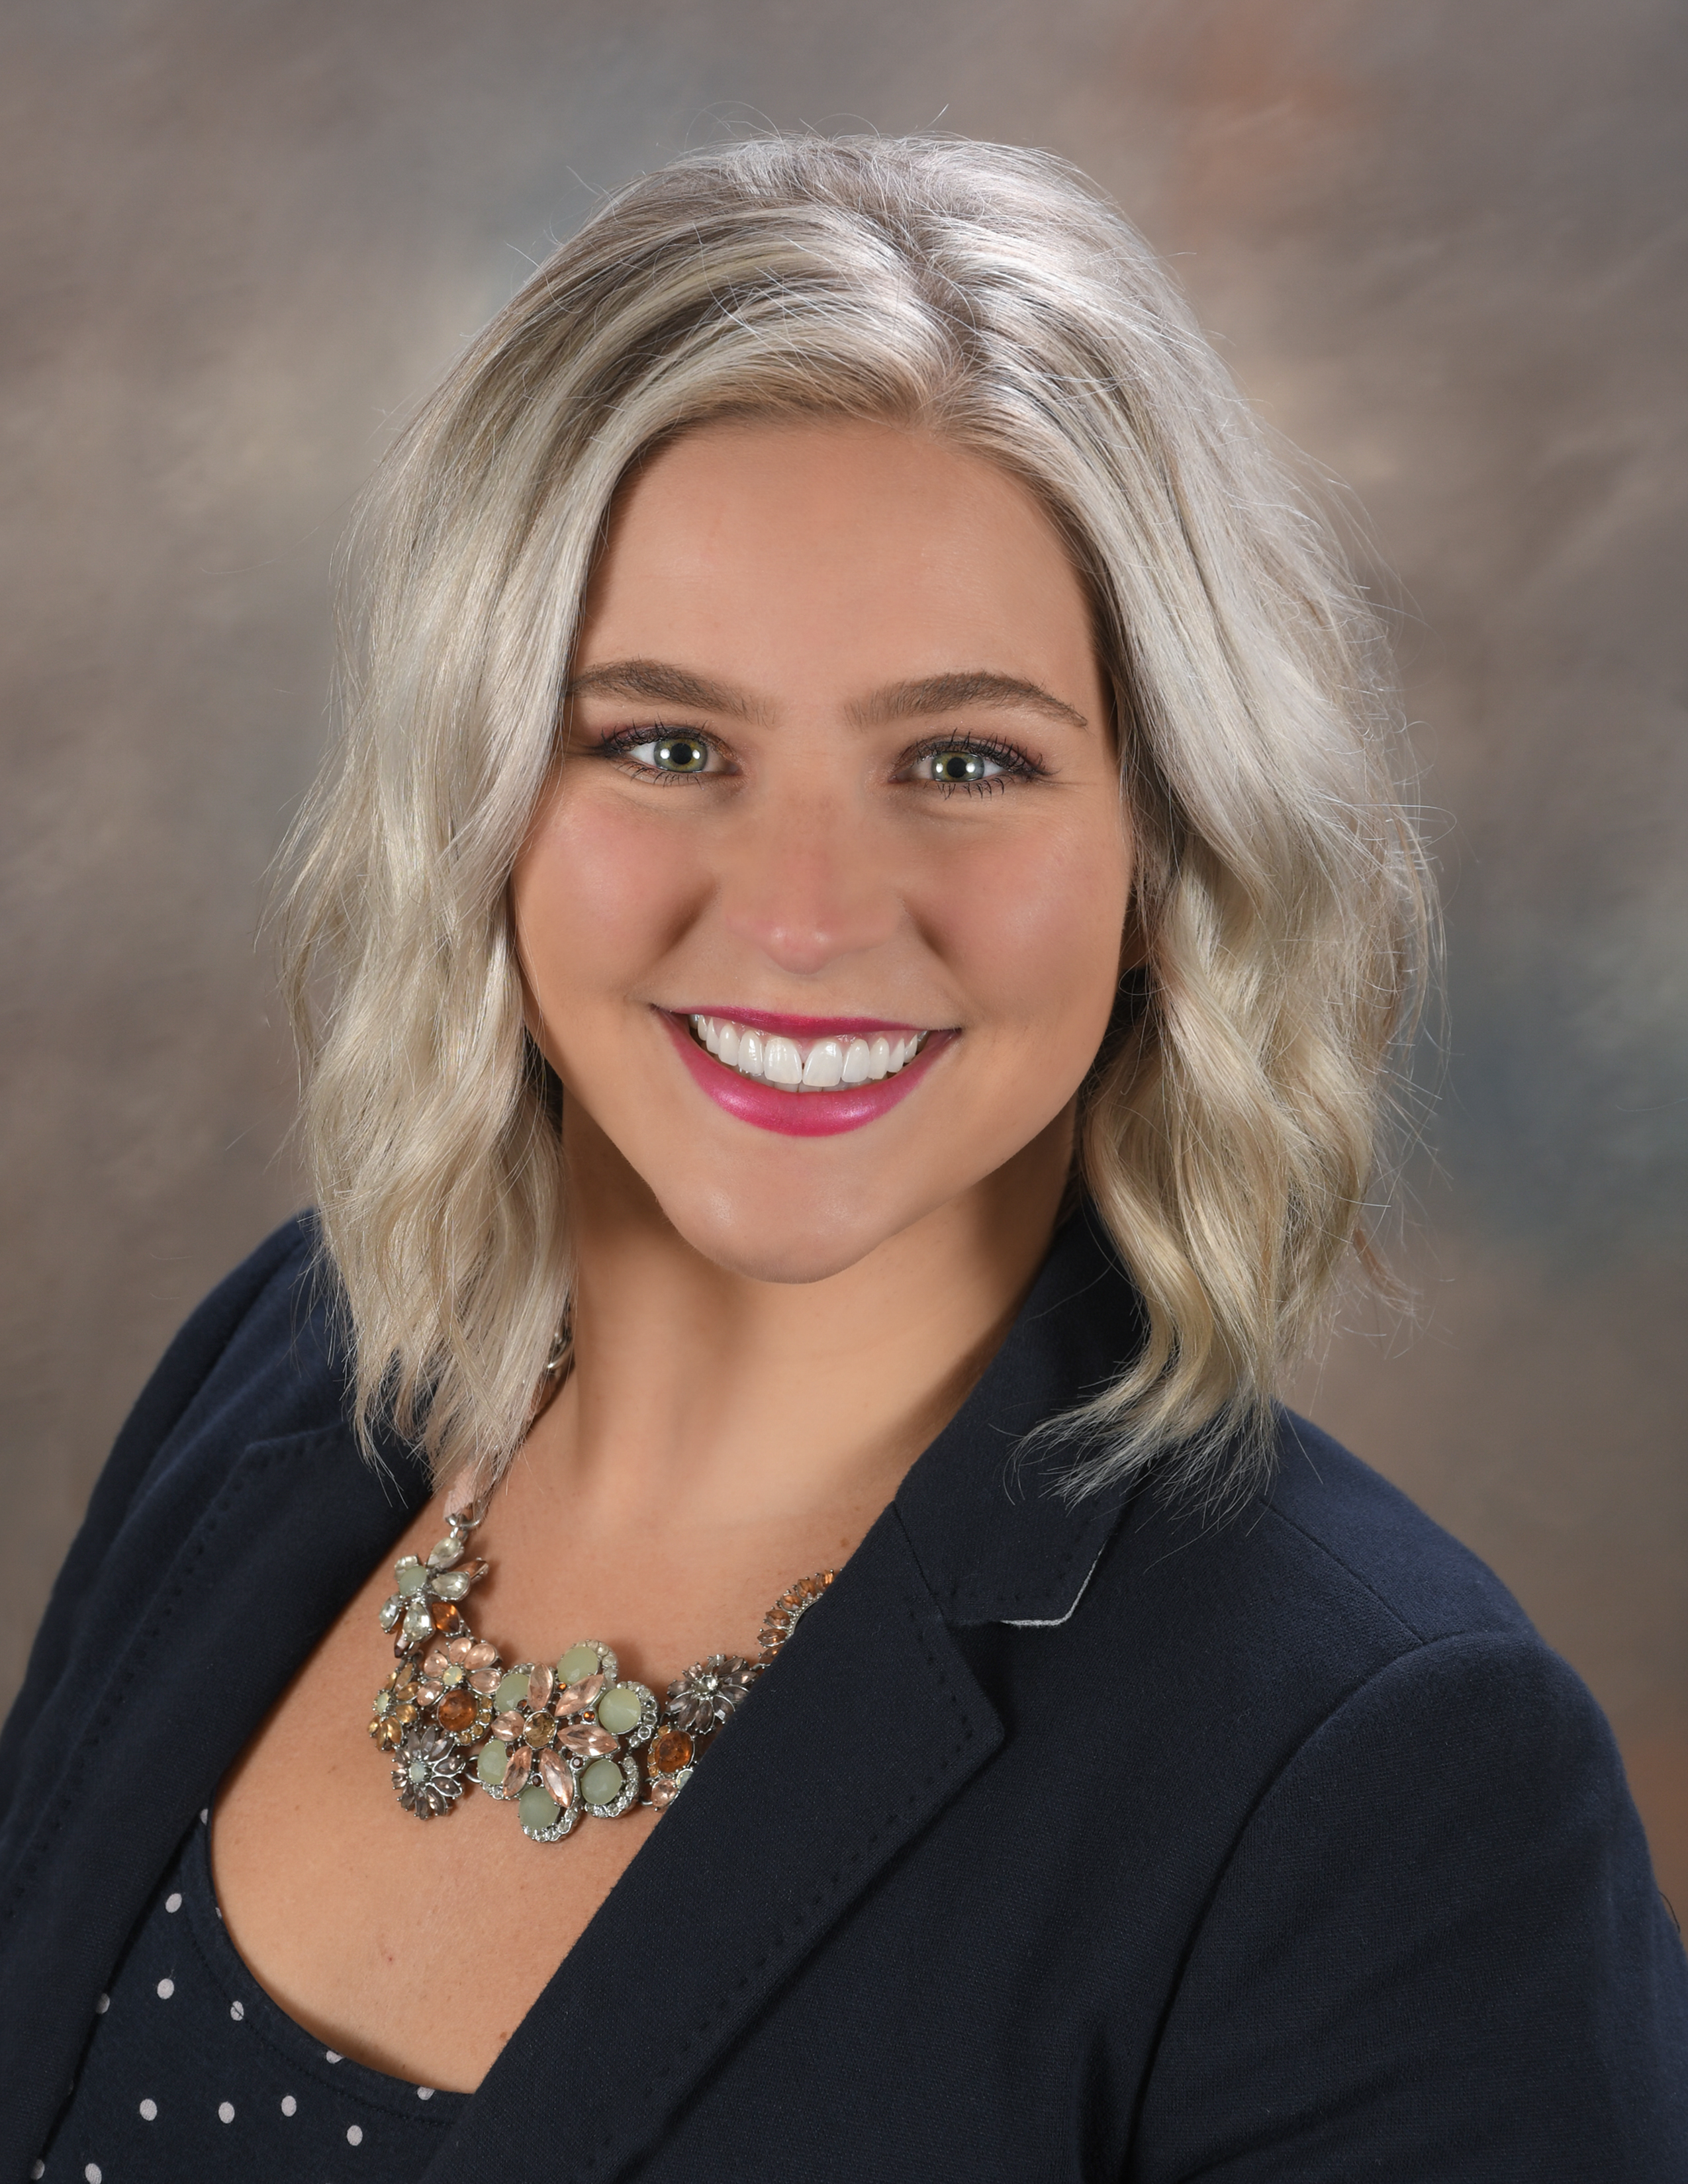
(348, 1908)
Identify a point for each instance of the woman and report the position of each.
(856, 939)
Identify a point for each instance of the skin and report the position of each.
(769, 1329)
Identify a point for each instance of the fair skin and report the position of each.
(837, 749)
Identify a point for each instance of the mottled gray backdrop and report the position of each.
(1443, 245)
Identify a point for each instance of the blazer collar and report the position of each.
(872, 1723)
(994, 1539)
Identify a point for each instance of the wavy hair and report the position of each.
(1230, 1129)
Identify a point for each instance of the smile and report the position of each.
(803, 1077)
(819, 1065)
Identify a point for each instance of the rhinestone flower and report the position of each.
(426, 1772)
(458, 1678)
(395, 1706)
(709, 1691)
(428, 1592)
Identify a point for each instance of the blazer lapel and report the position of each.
(152, 1711)
(869, 1724)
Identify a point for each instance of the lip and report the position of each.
(802, 1027)
(801, 1114)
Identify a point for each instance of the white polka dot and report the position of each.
(166, 1989)
(204, 1815)
(289, 2105)
(100, 2010)
(354, 2134)
(225, 2111)
(237, 2010)
(330, 2055)
(425, 2093)
(149, 2111)
(92, 2172)
(173, 1902)
(39, 2170)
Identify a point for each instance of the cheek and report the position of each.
(1034, 926)
(598, 893)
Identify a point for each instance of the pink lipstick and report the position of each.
(854, 1068)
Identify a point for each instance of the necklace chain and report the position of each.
(560, 1742)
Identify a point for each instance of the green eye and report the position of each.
(680, 755)
(960, 765)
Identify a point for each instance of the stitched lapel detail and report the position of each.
(994, 1539)
(868, 1725)
(199, 1636)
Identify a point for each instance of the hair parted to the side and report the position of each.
(1230, 1134)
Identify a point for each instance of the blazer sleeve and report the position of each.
(181, 1374)
(1437, 1953)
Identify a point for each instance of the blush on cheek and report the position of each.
(598, 892)
(1036, 932)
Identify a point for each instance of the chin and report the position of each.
(787, 1237)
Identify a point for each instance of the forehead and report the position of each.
(859, 551)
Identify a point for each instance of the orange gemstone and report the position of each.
(670, 1750)
(388, 1734)
(442, 1614)
(455, 1711)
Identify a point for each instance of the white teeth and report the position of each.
(782, 1061)
(825, 1066)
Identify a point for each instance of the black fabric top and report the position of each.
(1065, 1843)
(193, 2072)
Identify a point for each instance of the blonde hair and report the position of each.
(1229, 1132)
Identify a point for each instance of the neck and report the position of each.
(702, 1401)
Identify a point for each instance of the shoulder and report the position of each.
(256, 1360)
(1320, 1582)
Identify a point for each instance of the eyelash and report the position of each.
(1017, 766)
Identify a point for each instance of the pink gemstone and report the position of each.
(486, 1680)
(557, 1779)
(459, 1651)
(438, 1662)
(480, 1654)
(540, 1685)
(516, 1774)
(508, 1727)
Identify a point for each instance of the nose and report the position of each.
(807, 881)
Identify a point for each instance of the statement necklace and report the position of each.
(558, 1742)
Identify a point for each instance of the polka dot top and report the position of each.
(191, 2070)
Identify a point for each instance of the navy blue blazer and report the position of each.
(1062, 1844)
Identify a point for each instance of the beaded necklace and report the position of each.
(558, 1742)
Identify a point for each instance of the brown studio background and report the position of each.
(1442, 246)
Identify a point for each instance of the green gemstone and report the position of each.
(512, 1692)
(411, 1576)
(538, 1807)
(621, 1709)
(579, 1663)
(418, 1770)
(491, 1763)
(601, 1783)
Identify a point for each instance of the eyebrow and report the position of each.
(950, 693)
(654, 680)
